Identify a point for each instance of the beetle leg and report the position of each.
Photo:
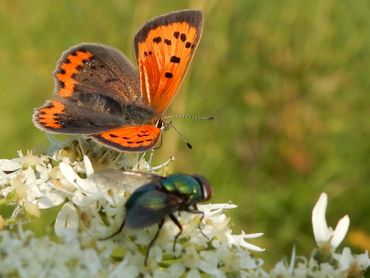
(116, 232)
(177, 223)
(195, 210)
(160, 225)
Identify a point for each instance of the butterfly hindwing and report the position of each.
(97, 69)
(87, 113)
(130, 138)
(164, 49)
(72, 116)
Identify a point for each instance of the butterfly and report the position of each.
(99, 93)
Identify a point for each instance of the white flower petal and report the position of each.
(7, 165)
(340, 232)
(6, 190)
(29, 176)
(217, 207)
(66, 223)
(345, 259)
(125, 269)
(50, 199)
(292, 261)
(238, 240)
(176, 269)
(363, 261)
(209, 262)
(88, 166)
(81, 200)
(193, 273)
(86, 186)
(69, 173)
(320, 229)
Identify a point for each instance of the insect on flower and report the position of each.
(160, 198)
(100, 94)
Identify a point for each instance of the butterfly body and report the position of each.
(100, 94)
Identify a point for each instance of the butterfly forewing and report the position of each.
(164, 48)
(97, 69)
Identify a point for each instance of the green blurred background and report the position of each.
(287, 80)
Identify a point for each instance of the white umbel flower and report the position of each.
(90, 185)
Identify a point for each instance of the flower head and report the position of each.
(90, 185)
(325, 236)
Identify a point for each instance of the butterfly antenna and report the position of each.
(169, 125)
(207, 118)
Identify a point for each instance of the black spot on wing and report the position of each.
(168, 75)
(147, 53)
(157, 39)
(175, 59)
(110, 80)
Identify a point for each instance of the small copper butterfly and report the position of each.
(99, 93)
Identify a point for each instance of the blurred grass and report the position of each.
(287, 80)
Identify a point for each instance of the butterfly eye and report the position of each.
(159, 124)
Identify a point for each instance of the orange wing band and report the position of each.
(68, 69)
(131, 138)
(48, 115)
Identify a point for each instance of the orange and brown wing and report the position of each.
(94, 84)
(164, 49)
(94, 115)
(131, 138)
(47, 116)
(97, 69)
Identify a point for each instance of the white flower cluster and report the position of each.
(89, 186)
(25, 255)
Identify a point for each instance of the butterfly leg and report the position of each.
(177, 223)
(160, 225)
(195, 210)
(151, 158)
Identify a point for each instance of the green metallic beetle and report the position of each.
(160, 198)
